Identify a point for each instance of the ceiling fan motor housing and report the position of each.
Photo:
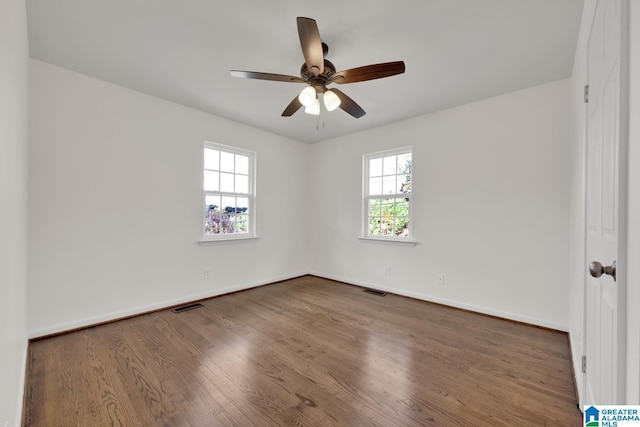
(322, 79)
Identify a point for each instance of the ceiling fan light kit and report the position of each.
(307, 96)
(313, 108)
(331, 100)
(317, 72)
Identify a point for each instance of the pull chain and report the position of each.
(318, 123)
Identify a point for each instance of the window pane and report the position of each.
(212, 202)
(228, 223)
(242, 204)
(402, 207)
(212, 218)
(404, 163)
(375, 167)
(374, 207)
(387, 208)
(389, 185)
(211, 181)
(228, 204)
(402, 227)
(242, 164)
(226, 161)
(374, 226)
(226, 182)
(242, 223)
(375, 186)
(386, 226)
(389, 165)
(212, 223)
(404, 184)
(242, 184)
(211, 159)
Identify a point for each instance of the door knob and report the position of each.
(596, 269)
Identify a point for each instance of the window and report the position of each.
(229, 210)
(387, 194)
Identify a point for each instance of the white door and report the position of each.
(605, 312)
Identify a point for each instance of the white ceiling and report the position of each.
(455, 51)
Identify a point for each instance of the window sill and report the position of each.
(396, 242)
(227, 240)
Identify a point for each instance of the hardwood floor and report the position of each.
(305, 352)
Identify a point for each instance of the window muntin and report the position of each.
(228, 192)
(387, 194)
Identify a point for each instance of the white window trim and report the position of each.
(227, 240)
(206, 240)
(390, 240)
(406, 241)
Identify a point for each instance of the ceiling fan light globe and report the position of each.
(308, 96)
(331, 100)
(314, 108)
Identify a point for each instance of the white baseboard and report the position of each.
(452, 303)
(108, 317)
(63, 327)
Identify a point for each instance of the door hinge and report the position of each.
(586, 93)
(584, 364)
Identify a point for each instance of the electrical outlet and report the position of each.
(387, 270)
(206, 273)
(441, 279)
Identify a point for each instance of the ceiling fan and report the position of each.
(317, 72)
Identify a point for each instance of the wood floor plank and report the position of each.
(305, 352)
(177, 374)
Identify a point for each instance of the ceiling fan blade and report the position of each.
(293, 106)
(348, 104)
(266, 76)
(368, 72)
(311, 45)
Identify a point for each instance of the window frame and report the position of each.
(393, 239)
(251, 195)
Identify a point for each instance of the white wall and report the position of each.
(115, 203)
(490, 199)
(13, 207)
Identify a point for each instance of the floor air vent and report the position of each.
(187, 307)
(374, 292)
